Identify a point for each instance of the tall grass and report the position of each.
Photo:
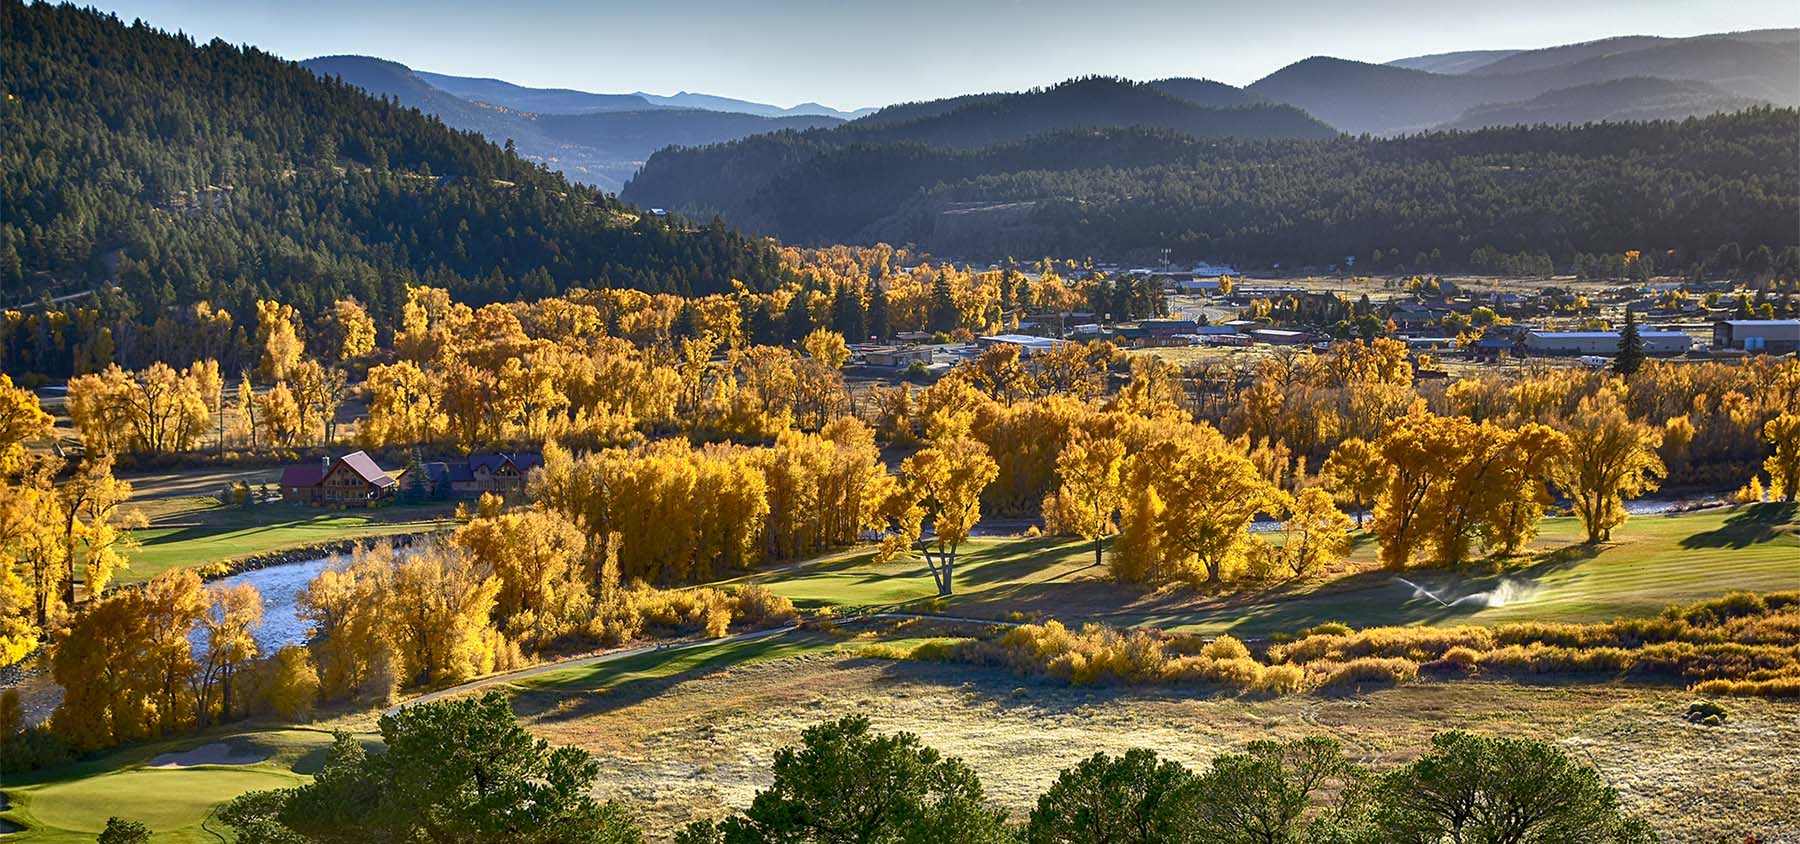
(1742, 643)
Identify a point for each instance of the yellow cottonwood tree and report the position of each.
(1318, 534)
(1214, 492)
(21, 421)
(230, 624)
(1783, 435)
(278, 338)
(1090, 470)
(1610, 458)
(1356, 473)
(537, 554)
(353, 330)
(944, 482)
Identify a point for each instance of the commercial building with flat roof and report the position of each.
(1771, 336)
(1603, 342)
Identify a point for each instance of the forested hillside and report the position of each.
(1687, 186)
(144, 171)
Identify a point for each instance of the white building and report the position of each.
(1603, 342)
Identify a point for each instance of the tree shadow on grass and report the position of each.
(585, 694)
(1754, 525)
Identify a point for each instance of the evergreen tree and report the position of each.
(1631, 348)
(878, 312)
(686, 323)
(944, 316)
(848, 317)
(797, 322)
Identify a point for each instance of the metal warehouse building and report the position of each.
(1603, 342)
(1773, 336)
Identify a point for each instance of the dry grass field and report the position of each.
(696, 742)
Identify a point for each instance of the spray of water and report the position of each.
(1505, 593)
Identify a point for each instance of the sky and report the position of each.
(854, 53)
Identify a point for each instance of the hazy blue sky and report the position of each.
(853, 53)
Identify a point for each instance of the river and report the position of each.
(280, 586)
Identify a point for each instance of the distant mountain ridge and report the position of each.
(599, 139)
(1696, 75)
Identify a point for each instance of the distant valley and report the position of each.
(598, 139)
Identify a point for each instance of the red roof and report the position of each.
(311, 474)
(306, 474)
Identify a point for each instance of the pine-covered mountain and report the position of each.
(1634, 98)
(726, 178)
(145, 171)
(597, 139)
(1700, 75)
(1682, 189)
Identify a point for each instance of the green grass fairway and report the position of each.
(675, 662)
(72, 803)
(198, 538)
(1653, 561)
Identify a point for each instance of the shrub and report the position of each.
(1225, 647)
(756, 606)
(1705, 712)
(1368, 669)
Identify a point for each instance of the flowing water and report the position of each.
(280, 587)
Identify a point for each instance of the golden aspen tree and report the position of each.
(93, 514)
(230, 623)
(1214, 493)
(438, 605)
(1090, 470)
(280, 415)
(1783, 435)
(278, 339)
(944, 482)
(1317, 533)
(537, 554)
(1610, 458)
(294, 689)
(1356, 473)
(173, 603)
(22, 420)
(352, 329)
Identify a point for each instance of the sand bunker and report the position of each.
(217, 753)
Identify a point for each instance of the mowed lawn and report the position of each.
(1653, 561)
(209, 534)
(674, 663)
(72, 803)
